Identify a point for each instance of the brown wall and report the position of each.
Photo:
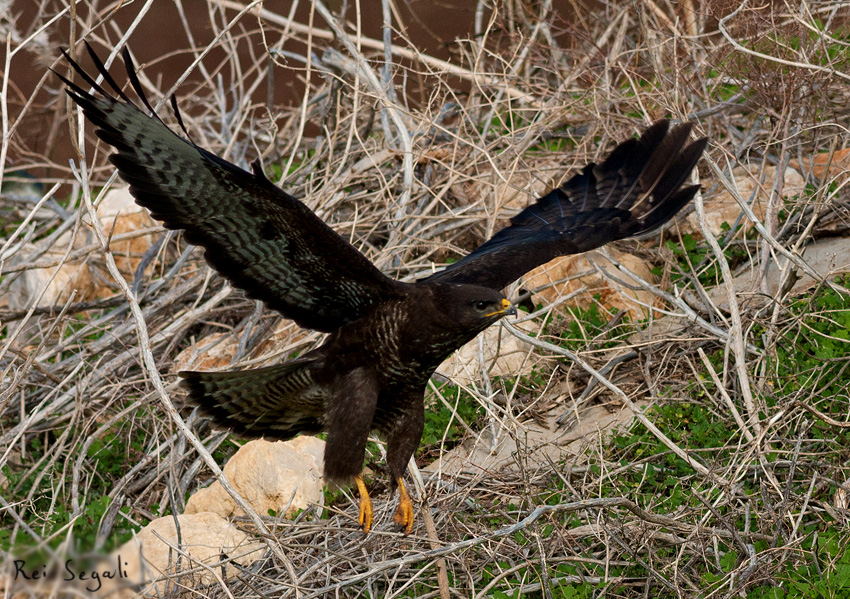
(161, 43)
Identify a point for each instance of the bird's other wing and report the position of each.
(260, 238)
(636, 189)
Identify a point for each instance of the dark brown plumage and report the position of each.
(386, 337)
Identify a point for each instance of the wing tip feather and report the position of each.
(662, 154)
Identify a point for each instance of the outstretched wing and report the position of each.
(262, 239)
(635, 190)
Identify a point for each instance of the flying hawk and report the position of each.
(385, 337)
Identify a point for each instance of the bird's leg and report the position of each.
(366, 515)
(402, 440)
(404, 513)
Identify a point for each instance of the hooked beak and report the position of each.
(507, 309)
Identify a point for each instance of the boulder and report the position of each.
(826, 165)
(185, 551)
(542, 442)
(495, 351)
(569, 274)
(754, 183)
(827, 257)
(283, 476)
(118, 214)
(213, 352)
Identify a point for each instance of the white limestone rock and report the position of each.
(280, 476)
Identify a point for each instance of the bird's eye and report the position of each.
(481, 306)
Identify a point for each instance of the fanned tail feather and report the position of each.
(277, 402)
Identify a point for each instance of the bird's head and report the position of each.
(471, 307)
(446, 316)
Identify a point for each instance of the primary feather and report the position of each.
(634, 191)
(259, 237)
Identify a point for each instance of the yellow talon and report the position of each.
(366, 515)
(404, 513)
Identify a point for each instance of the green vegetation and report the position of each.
(812, 350)
(447, 418)
(694, 256)
(44, 490)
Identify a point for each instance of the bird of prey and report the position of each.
(385, 337)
